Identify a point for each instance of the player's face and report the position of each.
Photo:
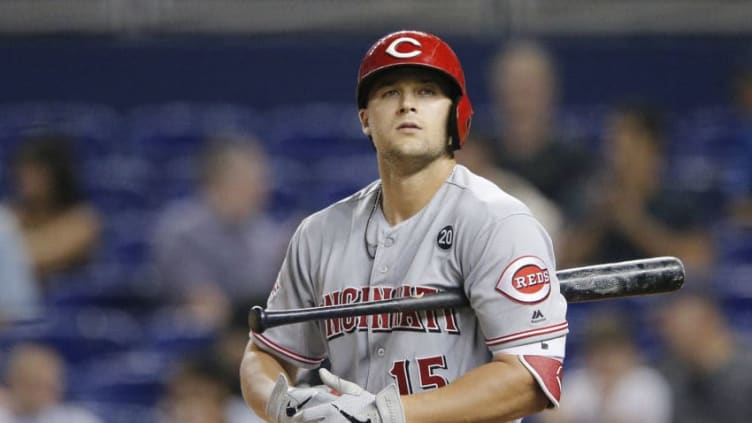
(407, 114)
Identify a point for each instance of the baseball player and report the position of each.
(427, 225)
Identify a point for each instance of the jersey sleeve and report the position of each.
(511, 283)
(301, 343)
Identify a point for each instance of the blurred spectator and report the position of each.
(60, 229)
(633, 213)
(34, 376)
(476, 155)
(196, 393)
(220, 249)
(20, 294)
(613, 385)
(525, 88)
(709, 371)
(738, 170)
(227, 352)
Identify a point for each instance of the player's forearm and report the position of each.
(258, 374)
(499, 391)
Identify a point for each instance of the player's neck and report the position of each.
(404, 195)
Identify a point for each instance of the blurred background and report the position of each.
(155, 157)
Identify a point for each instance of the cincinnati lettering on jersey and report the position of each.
(435, 321)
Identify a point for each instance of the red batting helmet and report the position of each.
(414, 48)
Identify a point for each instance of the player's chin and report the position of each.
(411, 158)
(406, 149)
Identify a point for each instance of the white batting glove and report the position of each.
(355, 404)
(286, 401)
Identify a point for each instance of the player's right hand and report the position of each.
(355, 404)
(286, 401)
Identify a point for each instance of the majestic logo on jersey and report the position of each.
(537, 317)
(526, 280)
(436, 321)
(446, 237)
(392, 49)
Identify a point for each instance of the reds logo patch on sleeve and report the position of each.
(526, 280)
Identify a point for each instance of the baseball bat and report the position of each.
(580, 284)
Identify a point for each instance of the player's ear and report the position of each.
(363, 116)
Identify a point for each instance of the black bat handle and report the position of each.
(259, 319)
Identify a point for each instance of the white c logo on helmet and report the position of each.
(392, 49)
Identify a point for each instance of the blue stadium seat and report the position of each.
(79, 334)
(171, 332)
(698, 146)
(95, 130)
(132, 377)
(119, 412)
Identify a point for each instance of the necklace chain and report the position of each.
(368, 224)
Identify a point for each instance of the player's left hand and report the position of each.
(286, 400)
(355, 404)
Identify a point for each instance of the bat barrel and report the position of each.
(623, 279)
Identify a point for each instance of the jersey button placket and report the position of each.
(383, 266)
(388, 242)
(382, 261)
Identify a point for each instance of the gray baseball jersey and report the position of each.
(470, 235)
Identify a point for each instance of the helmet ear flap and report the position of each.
(462, 112)
(452, 127)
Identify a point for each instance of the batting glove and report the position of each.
(355, 404)
(286, 401)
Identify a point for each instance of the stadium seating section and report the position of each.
(117, 338)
